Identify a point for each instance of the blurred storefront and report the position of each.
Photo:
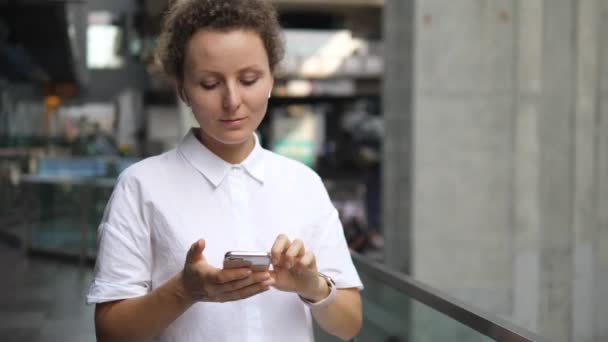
(84, 99)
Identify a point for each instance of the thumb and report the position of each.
(195, 253)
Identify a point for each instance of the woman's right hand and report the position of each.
(205, 283)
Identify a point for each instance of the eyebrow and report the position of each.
(254, 67)
(250, 68)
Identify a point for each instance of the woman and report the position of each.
(172, 217)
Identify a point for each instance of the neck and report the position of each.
(230, 153)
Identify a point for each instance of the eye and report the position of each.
(209, 85)
(249, 82)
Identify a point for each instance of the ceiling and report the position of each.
(35, 44)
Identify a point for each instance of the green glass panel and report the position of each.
(389, 315)
(68, 214)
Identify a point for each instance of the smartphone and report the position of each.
(257, 261)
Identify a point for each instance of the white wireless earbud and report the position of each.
(270, 93)
(186, 99)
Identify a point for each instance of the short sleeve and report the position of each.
(330, 247)
(124, 260)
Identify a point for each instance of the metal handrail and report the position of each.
(485, 323)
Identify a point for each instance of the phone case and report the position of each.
(257, 261)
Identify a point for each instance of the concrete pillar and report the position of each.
(556, 137)
(499, 194)
(463, 149)
(131, 119)
(526, 230)
(601, 239)
(585, 169)
(397, 106)
(555, 287)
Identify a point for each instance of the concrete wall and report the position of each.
(505, 157)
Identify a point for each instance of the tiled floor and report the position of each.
(43, 300)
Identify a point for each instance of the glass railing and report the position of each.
(60, 217)
(397, 308)
(57, 210)
(63, 213)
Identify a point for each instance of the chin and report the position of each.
(234, 139)
(227, 137)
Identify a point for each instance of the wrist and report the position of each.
(181, 291)
(320, 292)
(327, 298)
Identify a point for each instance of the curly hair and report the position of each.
(185, 17)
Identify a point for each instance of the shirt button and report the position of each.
(237, 171)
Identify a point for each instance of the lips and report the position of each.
(232, 120)
(233, 123)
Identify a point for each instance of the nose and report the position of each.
(232, 97)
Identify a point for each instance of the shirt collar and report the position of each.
(214, 168)
(254, 163)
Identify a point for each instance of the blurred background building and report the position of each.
(464, 143)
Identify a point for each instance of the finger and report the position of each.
(195, 253)
(280, 245)
(308, 261)
(217, 277)
(245, 292)
(294, 252)
(236, 285)
(223, 276)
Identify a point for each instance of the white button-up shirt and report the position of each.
(163, 204)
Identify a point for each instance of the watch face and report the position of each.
(326, 301)
(329, 279)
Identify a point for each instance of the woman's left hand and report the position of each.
(295, 269)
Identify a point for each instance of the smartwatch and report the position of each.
(327, 300)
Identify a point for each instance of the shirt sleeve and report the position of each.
(330, 247)
(124, 258)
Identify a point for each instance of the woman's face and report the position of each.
(227, 82)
